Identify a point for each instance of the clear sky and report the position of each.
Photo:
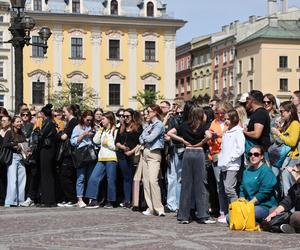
(206, 17)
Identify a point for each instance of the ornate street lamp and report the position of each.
(20, 28)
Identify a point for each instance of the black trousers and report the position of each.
(47, 165)
(33, 181)
(3, 183)
(67, 178)
(193, 185)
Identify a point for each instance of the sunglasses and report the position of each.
(127, 116)
(25, 114)
(254, 154)
(281, 111)
(179, 113)
(220, 113)
(88, 120)
(33, 115)
(120, 116)
(267, 102)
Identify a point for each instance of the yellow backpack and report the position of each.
(242, 216)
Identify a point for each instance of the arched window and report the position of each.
(114, 7)
(150, 9)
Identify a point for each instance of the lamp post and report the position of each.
(20, 28)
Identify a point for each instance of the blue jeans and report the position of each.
(16, 180)
(126, 167)
(83, 175)
(102, 168)
(220, 188)
(174, 185)
(260, 214)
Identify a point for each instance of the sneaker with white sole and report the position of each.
(206, 221)
(287, 229)
(222, 219)
(81, 204)
(70, 204)
(61, 204)
(27, 203)
(147, 213)
(93, 204)
(161, 214)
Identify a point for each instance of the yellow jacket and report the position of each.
(291, 138)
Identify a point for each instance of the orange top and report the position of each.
(215, 144)
(60, 124)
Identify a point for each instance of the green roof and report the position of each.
(285, 29)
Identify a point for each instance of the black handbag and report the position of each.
(6, 156)
(84, 156)
(274, 224)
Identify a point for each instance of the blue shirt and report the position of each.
(77, 131)
(153, 135)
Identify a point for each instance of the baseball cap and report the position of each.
(244, 97)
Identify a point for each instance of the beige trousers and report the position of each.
(150, 162)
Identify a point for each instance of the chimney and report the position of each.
(252, 19)
(273, 21)
(272, 7)
(225, 29)
(285, 6)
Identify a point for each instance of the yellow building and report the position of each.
(116, 47)
(269, 60)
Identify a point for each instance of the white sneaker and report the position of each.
(147, 213)
(81, 204)
(61, 204)
(161, 214)
(70, 204)
(27, 203)
(222, 219)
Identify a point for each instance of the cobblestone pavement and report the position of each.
(74, 228)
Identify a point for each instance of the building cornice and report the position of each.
(105, 19)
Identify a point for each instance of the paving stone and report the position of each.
(76, 229)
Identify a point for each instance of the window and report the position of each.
(114, 7)
(188, 80)
(181, 65)
(150, 87)
(231, 79)
(240, 67)
(77, 91)
(216, 81)
(76, 47)
(114, 49)
(207, 82)
(1, 100)
(240, 88)
(224, 79)
(201, 83)
(114, 94)
(299, 62)
(216, 59)
(188, 62)
(224, 57)
(37, 5)
(1, 39)
(75, 6)
(150, 51)
(251, 64)
(1, 19)
(38, 93)
(231, 57)
(250, 85)
(37, 51)
(150, 9)
(283, 62)
(1, 69)
(284, 84)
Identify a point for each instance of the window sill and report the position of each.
(115, 106)
(284, 91)
(284, 70)
(149, 61)
(115, 59)
(39, 57)
(77, 58)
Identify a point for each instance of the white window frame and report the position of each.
(154, 6)
(150, 37)
(4, 69)
(83, 52)
(115, 35)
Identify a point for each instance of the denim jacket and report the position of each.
(153, 135)
(77, 131)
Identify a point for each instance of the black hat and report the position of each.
(47, 110)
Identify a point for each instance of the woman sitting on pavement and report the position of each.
(258, 184)
(292, 200)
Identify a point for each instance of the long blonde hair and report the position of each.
(242, 115)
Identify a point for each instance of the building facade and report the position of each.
(183, 72)
(116, 47)
(269, 60)
(6, 59)
(201, 68)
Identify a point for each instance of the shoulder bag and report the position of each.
(84, 156)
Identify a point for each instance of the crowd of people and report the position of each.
(184, 158)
